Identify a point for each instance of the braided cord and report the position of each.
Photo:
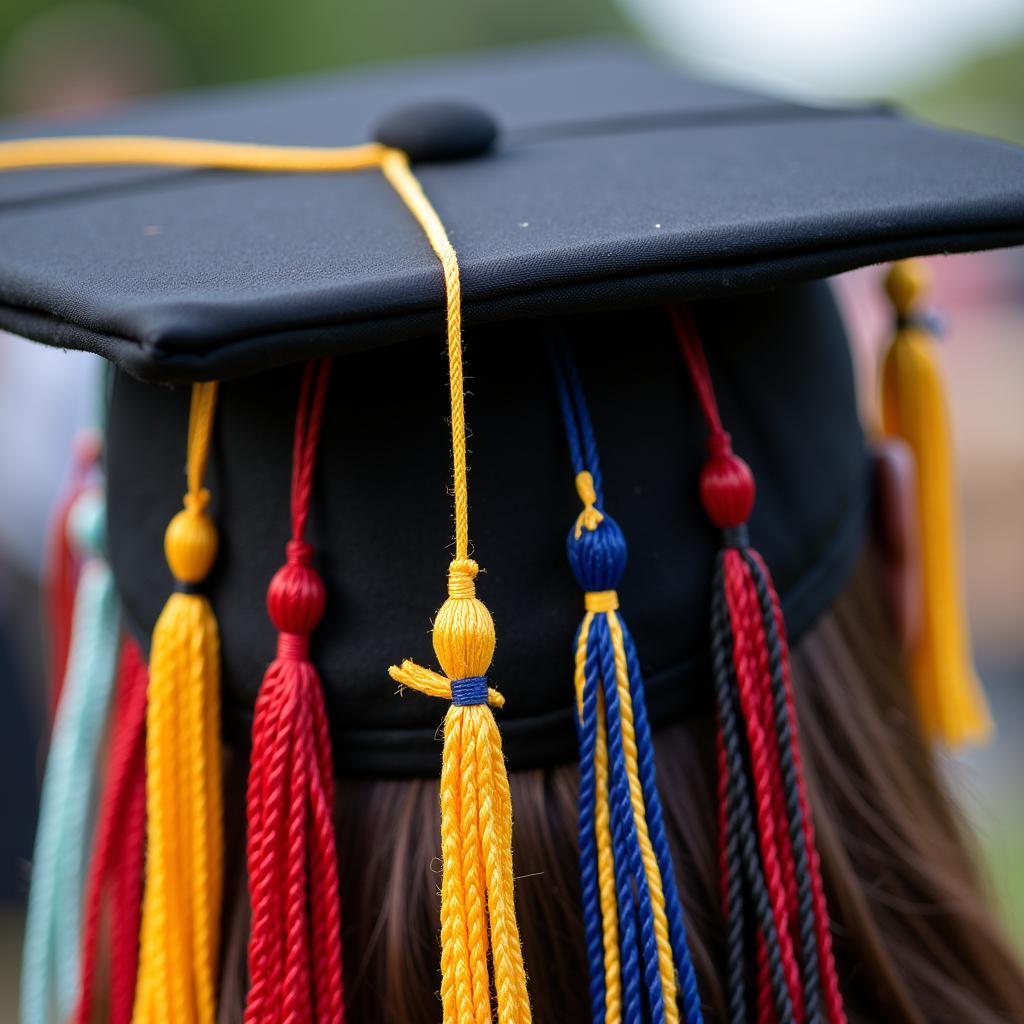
(115, 873)
(740, 804)
(51, 963)
(600, 928)
(295, 962)
(658, 836)
(184, 815)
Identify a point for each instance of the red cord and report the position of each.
(115, 872)
(295, 960)
(830, 980)
(763, 768)
(63, 564)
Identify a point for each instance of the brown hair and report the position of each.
(915, 939)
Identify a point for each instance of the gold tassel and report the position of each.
(477, 898)
(184, 857)
(949, 696)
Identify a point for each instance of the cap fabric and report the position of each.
(380, 518)
(702, 191)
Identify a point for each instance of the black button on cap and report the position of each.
(438, 131)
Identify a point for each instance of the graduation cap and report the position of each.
(664, 238)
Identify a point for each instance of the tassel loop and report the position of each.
(598, 555)
(191, 540)
(727, 489)
(421, 679)
(463, 634)
(591, 515)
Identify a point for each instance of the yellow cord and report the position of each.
(949, 697)
(184, 863)
(136, 150)
(591, 515)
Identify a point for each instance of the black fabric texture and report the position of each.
(381, 514)
(617, 182)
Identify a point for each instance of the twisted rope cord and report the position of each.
(659, 838)
(597, 868)
(295, 960)
(772, 611)
(740, 811)
(749, 624)
(762, 767)
(794, 806)
(184, 863)
(617, 831)
(51, 960)
(659, 969)
(640, 840)
(115, 874)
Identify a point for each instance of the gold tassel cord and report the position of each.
(949, 697)
(184, 863)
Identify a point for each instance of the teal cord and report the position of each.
(51, 964)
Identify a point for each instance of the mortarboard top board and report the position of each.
(615, 181)
(615, 184)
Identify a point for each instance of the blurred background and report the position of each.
(956, 63)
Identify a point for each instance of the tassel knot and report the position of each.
(905, 283)
(598, 556)
(87, 524)
(463, 628)
(296, 595)
(601, 601)
(462, 573)
(469, 692)
(191, 541)
(727, 488)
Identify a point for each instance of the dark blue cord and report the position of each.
(659, 839)
(625, 839)
(621, 819)
(586, 731)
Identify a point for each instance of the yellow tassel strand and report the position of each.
(184, 860)
(949, 697)
(183, 883)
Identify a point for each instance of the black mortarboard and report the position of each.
(582, 188)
